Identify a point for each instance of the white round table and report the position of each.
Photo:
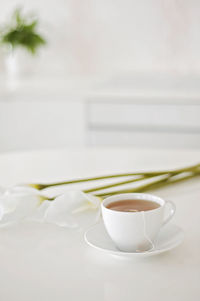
(45, 262)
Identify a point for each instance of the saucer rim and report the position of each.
(136, 254)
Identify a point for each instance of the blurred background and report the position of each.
(109, 73)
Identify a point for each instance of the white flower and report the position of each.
(16, 203)
(20, 202)
(63, 211)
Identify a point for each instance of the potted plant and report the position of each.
(18, 38)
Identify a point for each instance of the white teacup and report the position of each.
(135, 231)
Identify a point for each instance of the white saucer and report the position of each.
(170, 236)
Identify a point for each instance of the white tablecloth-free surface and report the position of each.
(44, 262)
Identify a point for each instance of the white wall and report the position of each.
(116, 39)
(105, 36)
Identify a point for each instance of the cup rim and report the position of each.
(137, 195)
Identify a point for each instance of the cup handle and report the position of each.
(171, 213)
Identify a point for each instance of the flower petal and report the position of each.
(61, 210)
(20, 202)
(16, 206)
(39, 214)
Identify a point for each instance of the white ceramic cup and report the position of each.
(136, 231)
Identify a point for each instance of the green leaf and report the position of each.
(23, 33)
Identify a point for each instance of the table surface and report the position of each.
(46, 262)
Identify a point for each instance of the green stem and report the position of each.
(174, 180)
(46, 198)
(170, 179)
(160, 183)
(148, 174)
(115, 184)
(136, 189)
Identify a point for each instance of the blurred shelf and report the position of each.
(139, 110)
(145, 88)
(46, 89)
(153, 88)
